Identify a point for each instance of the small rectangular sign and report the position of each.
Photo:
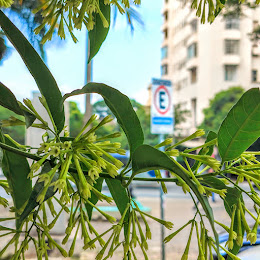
(162, 119)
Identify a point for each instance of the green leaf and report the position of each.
(94, 199)
(43, 78)
(241, 127)
(29, 118)
(148, 158)
(231, 199)
(232, 195)
(99, 33)
(37, 189)
(119, 194)
(211, 136)
(213, 182)
(217, 11)
(8, 100)
(16, 169)
(121, 107)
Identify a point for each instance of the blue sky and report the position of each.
(126, 61)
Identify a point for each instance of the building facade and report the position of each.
(203, 59)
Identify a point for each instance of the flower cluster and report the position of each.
(71, 167)
(72, 14)
(6, 3)
(77, 162)
(134, 234)
(205, 242)
(192, 172)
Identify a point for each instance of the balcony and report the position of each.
(191, 63)
(231, 34)
(255, 50)
(233, 59)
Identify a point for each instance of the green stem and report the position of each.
(212, 142)
(198, 211)
(237, 186)
(124, 171)
(18, 151)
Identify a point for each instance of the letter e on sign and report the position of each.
(162, 100)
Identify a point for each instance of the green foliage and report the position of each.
(94, 199)
(16, 169)
(76, 166)
(3, 47)
(236, 8)
(16, 132)
(99, 33)
(148, 158)
(37, 190)
(42, 76)
(219, 107)
(121, 198)
(241, 127)
(120, 106)
(180, 115)
(76, 119)
(142, 113)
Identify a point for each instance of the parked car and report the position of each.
(251, 253)
(246, 246)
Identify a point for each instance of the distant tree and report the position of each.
(101, 109)
(180, 115)
(3, 47)
(219, 107)
(143, 114)
(236, 8)
(16, 132)
(76, 119)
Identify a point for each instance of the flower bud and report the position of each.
(186, 251)
(71, 250)
(6, 3)
(164, 143)
(4, 202)
(173, 152)
(171, 236)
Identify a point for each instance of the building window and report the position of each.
(254, 75)
(231, 46)
(164, 52)
(193, 75)
(194, 25)
(192, 50)
(165, 16)
(165, 32)
(164, 69)
(230, 72)
(255, 24)
(232, 23)
(194, 111)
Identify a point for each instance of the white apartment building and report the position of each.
(203, 59)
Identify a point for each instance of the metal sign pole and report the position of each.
(162, 123)
(88, 78)
(161, 138)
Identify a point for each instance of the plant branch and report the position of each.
(18, 151)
